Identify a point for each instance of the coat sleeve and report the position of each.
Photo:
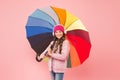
(64, 52)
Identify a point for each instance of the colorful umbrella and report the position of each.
(39, 29)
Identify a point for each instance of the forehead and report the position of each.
(58, 31)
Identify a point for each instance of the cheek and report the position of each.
(61, 34)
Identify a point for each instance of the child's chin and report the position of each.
(58, 37)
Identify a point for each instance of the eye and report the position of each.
(60, 31)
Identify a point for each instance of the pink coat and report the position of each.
(58, 62)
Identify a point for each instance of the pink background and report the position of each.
(102, 19)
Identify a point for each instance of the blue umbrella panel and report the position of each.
(39, 34)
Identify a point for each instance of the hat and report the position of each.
(58, 27)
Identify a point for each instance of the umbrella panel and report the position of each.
(81, 46)
(40, 42)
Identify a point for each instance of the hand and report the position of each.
(49, 52)
(42, 56)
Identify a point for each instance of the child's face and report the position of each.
(58, 34)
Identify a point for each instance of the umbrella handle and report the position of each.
(39, 60)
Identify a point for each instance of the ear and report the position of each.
(65, 32)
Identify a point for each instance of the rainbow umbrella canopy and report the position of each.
(39, 30)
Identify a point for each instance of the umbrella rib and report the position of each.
(42, 19)
(41, 27)
(70, 25)
(48, 15)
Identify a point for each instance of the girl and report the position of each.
(57, 52)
